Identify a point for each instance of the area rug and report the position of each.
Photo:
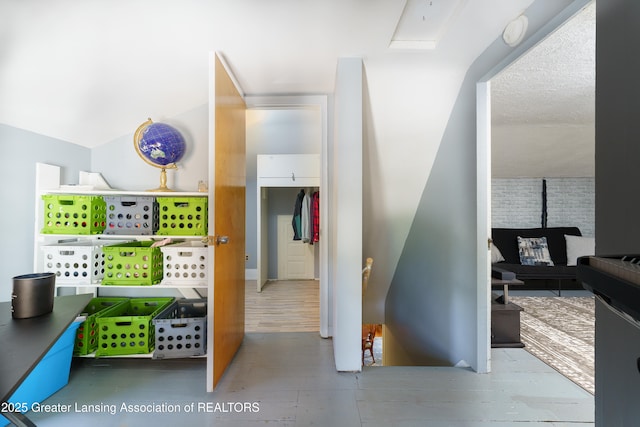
(560, 331)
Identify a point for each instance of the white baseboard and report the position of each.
(251, 274)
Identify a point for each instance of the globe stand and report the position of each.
(163, 180)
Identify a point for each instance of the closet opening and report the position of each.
(295, 237)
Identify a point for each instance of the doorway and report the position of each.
(484, 141)
(285, 125)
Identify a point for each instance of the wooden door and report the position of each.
(227, 239)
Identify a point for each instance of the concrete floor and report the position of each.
(289, 379)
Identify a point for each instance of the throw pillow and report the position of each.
(578, 246)
(534, 251)
(496, 255)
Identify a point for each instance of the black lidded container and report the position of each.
(32, 295)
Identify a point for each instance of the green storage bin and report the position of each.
(128, 328)
(133, 264)
(87, 333)
(74, 214)
(182, 216)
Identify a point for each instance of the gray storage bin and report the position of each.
(180, 329)
(131, 215)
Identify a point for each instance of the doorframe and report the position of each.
(483, 177)
(321, 102)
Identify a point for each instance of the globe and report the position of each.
(161, 146)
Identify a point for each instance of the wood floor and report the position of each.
(283, 306)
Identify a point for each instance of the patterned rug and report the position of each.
(561, 333)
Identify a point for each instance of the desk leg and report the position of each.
(18, 419)
(505, 290)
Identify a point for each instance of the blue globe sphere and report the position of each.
(161, 144)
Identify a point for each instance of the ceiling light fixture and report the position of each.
(515, 30)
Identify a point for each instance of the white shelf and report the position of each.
(125, 192)
(135, 356)
(157, 286)
(107, 237)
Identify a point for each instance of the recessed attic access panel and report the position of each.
(423, 23)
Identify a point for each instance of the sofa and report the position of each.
(538, 274)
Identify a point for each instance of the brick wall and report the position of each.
(517, 203)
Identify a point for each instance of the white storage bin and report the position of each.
(77, 261)
(185, 264)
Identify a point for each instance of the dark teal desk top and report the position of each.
(24, 342)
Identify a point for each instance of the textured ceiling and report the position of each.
(543, 106)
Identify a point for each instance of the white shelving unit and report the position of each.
(48, 182)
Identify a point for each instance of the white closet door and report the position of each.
(295, 258)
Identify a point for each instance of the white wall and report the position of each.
(409, 97)
(433, 307)
(125, 170)
(523, 150)
(406, 110)
(22, 150)
(346, 224)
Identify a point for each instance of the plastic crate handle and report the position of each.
(67, 202)
(123, 323)
(130, 253)
(127, 204)
(179, 325)
(185, 254)
(108, 303)
(67, 252)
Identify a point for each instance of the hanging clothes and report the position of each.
(297, 216)
(315, 217)
(305, 219)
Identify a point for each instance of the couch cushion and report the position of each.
(579, 246)
(506, 239)
(496, 256)
(537, 272)
(534, 251)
